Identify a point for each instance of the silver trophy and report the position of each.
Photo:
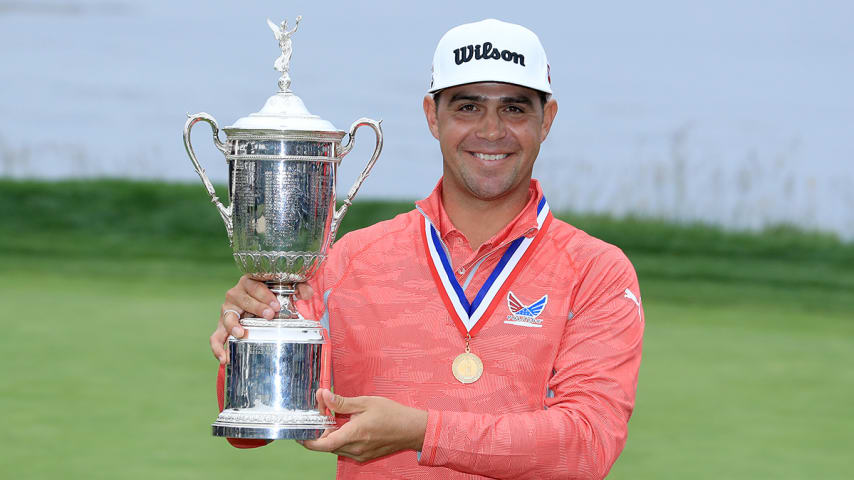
(281, 219)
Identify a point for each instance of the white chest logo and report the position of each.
(525, 315)
(631, 296)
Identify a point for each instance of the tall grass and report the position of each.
(172, 212)
(112, 220)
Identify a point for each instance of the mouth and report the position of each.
(490, 157)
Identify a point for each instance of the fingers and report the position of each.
(254, 297)
(218, 338)
(229, 323)
(323, 435)
(247, 296)
(345, 442)
(330, 441)
(230, 320)
(321, 404)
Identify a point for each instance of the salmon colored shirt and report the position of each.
(554, 400)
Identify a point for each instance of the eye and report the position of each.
(514, 109)
(467, 107)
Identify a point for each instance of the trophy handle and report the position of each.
(224, 212)
(339, 214)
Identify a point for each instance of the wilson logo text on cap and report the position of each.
(512, 55)
(485, 51)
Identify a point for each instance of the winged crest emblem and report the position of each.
(518, 308)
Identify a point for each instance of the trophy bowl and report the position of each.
(281, 220)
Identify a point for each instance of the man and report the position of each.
(475, 335)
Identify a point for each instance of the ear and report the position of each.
(431, 115)
(549, 112)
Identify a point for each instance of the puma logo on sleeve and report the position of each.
(631, 296)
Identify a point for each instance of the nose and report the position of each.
(491, 126)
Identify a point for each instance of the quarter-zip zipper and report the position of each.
(477, 261)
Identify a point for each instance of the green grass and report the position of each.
(109, 290)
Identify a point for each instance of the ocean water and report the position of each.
(738, 113)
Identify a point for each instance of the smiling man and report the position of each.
(477, 335)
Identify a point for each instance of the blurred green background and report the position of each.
(110, 289)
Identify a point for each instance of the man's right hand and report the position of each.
(248, 296)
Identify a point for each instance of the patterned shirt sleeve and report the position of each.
(583, 426)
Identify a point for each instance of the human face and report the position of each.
(490, 134)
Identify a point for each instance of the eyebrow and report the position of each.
(480, 98)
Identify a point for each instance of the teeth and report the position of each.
(484, 156)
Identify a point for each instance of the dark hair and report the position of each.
(544, 98)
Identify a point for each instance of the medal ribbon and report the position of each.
(467, 315)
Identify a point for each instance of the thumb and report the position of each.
(341, 404)
(304, 291)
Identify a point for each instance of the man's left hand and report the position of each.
(377, 427)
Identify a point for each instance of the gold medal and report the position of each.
(467, 367)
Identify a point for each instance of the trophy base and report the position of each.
(271, 425)
(267, 432)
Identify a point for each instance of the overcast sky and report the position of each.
(735, 112)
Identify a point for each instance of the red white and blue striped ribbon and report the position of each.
(468, 315)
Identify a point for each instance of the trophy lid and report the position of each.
(284, 111)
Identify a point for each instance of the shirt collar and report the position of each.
(524, 224)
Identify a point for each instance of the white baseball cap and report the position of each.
(490, 51)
